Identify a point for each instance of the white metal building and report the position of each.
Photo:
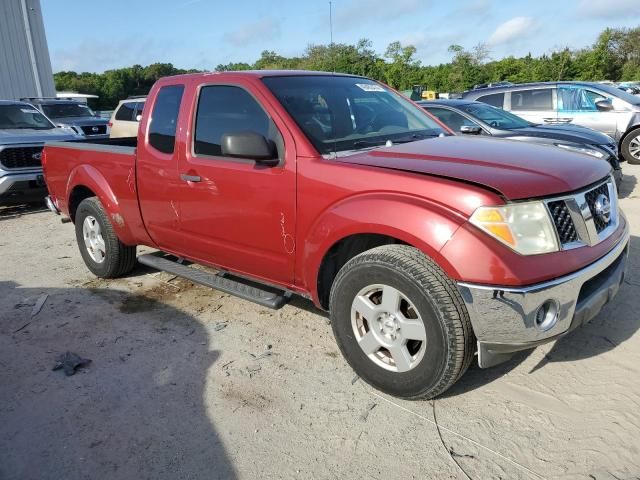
(25, 66)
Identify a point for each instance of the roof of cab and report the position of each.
(262, 74)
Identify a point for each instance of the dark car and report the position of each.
(75, 115)
(477, 118)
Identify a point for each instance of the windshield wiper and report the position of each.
(414, 137)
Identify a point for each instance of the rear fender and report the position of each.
(89, 177)
(412, 220)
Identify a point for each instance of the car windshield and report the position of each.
(22, 117)
(71, 109)
(340, 113)
(616, 92)
(495, 117)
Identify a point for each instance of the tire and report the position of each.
(629, 147)
(427, 296)
(103, 253)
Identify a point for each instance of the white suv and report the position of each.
(126, 117)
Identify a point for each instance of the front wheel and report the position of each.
(101, 249)
(630, 147)
(400, 322)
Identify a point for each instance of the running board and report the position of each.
(265, 296)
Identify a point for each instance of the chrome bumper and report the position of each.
(506, 319)
(8, 179)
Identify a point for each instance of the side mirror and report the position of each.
(138, 118)
(470, 130)
(605, 105)
(250, 145)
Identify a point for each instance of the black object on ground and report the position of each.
(70, 362)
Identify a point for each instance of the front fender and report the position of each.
(413, 220)
(91, 178)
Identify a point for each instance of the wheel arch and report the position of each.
(382, 219)
(86, 181)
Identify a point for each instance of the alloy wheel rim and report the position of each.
(93, 241)
(388, 328)
(634, 147)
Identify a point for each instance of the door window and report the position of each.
(577, 99)
(495, 99)
(534, 99)
(224, 109)
(452, 119)
(125, 112)
(164, 118)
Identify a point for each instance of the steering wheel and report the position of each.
(365, 119)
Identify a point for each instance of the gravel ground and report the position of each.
(189, 383)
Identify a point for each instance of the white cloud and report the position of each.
(512, 30)
(608, 8)
(262, 30)
(358, 12)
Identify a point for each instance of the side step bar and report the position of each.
(265, 296)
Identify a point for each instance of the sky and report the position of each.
(98, 36)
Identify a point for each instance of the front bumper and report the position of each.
(504, 318)
(21, 187)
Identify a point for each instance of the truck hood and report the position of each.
(516, 170)
(29, 135)
(561, 133)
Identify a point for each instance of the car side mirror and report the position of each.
(605, 105)
(138, 118)
(250, 145)
(470, 130)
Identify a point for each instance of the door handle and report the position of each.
(189, 178)
(565, 119)
(550, 120)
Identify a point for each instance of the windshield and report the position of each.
(71, 109)
(339, 113)
(22, 117)
(495, 117)
(616, 92)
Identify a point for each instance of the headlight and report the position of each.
(523, 227)
(586, 150)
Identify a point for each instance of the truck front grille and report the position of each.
(94, 129)
(20, 157)
(592, 199)
(586, 217)
(563, 222)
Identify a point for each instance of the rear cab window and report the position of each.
(164, 118)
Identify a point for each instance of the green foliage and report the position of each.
(614, 56)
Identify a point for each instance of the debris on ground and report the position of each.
(366, 413)
(268, 353)
(220, 325)
(70, 362)
(459, 455)
(39, 304)
(355, 379)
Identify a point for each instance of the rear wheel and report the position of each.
(630, 147)
(103, 253)
(400, 322)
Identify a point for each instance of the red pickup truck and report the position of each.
(424, 247)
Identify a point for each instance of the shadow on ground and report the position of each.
(13, 211)
(135, 412)
(628, 185)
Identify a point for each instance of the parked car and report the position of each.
(477, 118)
(75, 115)
(23, 131)
(126, 117)
(599, 106)
(423, 246)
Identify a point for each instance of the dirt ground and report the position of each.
(188, 383)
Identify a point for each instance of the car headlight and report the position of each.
(586, 150)
(524, 227)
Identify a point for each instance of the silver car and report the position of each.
(23, 132)
(599, 106)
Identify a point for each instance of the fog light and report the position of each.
(547, 315)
